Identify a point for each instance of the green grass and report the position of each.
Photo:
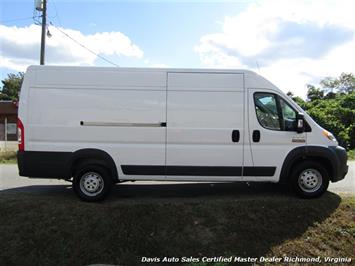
(351, 154)
(8, 157)
(58, 229)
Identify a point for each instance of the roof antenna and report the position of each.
(257, 65)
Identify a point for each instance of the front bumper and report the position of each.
(341, 168)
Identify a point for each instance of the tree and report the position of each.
(290, 94)
(330, 95)
(332, 106)
(300, 102)
(314, 93)
(11, 87)
(344, 84)
(297, 99)
(337, 116)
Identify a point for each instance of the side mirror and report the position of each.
(300, 123)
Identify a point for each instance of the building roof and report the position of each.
(8, 108)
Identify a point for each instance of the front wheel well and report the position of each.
(323, 161)
(309, 179)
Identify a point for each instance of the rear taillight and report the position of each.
(21, 135)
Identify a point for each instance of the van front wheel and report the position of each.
(310, 179)
(92, 183)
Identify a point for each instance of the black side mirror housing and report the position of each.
(300, 123)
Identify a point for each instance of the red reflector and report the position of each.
(21, 135)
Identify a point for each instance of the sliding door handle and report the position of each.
(235, 135)
(256, 135)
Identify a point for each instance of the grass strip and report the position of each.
(61, 230)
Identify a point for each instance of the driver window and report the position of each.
(266, 110)
(288, 116)
(274, 113)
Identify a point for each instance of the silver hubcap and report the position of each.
(310, 180)
(91, 184)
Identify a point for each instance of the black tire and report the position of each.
(92, 182)
(309, 179)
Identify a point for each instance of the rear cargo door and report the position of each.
(205, 126)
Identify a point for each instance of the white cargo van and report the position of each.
(100, 126)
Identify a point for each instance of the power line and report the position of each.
(83, 46)
(77, 42)
(56, 14)
(36, 17)
(16, 19)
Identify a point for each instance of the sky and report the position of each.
(291, 43)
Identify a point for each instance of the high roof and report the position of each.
(210, 70)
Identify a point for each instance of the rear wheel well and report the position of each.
(94, 157)
(76, 165)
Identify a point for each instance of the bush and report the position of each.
(333, 107)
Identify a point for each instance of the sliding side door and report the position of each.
(205, 126)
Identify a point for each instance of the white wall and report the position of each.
(8, 146)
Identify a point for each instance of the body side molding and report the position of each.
(179, 170)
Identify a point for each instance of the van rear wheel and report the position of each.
(92, 182)
(310, 179)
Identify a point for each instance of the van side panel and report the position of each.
(120, 114)
(98, 78)
(203, 109)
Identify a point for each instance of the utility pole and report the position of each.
(43, 37)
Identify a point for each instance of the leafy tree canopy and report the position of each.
(345, 83)
(332, 105)
(11, 87)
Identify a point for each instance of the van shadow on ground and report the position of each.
(133, 192)
(197, 190)
(167, 190)
(177, 220)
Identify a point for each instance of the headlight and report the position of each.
(329, 135)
